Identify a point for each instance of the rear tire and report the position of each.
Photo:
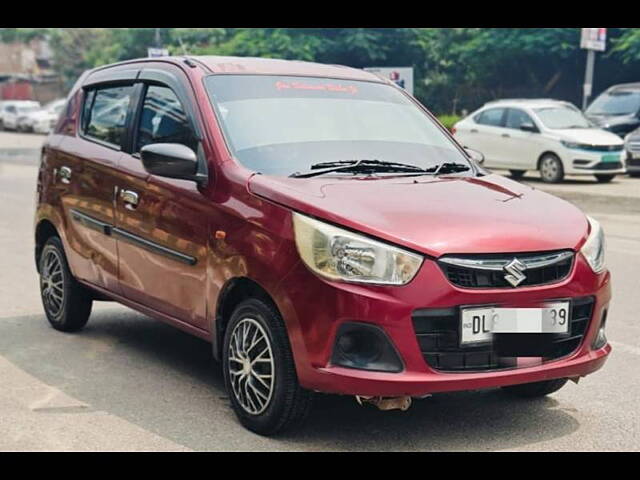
(259, 371)
(537, 389)
(551, 169)
(517, 174)
(604, 178)
(635, 175)
(67, 304)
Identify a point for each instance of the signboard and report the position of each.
(594, 39)
(401, 76)
(157, 52)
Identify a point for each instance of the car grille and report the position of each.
(607, 166)
(438, 335)
(487, 271)
(633, 162)
(602, 148)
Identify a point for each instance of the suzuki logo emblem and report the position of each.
(515, 275)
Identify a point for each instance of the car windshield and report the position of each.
(280, 125)
(616, 103)
(561, 117)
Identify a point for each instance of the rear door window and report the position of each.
(492, 117)
(107, 113)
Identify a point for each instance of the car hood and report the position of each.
(590, 136)
(436, 215)
(606, 121)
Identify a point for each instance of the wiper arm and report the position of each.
(357, 166)
(448, 167)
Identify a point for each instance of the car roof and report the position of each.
(261, 66)
(624, 86)
(527, 102)
(275, 66)
(19, 102)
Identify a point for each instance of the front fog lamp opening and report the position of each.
(601, 339)
(365, 347)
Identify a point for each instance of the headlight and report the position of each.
(593, 249)
(573, 144)
(338, 254)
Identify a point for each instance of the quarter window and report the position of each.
(164, 120)
(107, 113)
(492, 117)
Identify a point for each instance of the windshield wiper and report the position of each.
(357, 166)
(448, 167)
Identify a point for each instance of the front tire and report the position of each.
(67, 304)
(551, 169)
(259, 372)
(604, 178)
(537, 389)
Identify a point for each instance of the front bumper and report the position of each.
(584, 162)
(314, 309)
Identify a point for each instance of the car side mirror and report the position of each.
(474, 155)
(528, 127)
(171, 160)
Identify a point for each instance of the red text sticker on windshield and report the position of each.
(326, 87)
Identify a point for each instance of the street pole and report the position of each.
(158, 44)
(588, 77)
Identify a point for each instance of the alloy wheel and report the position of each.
(52, 282)
(251, 366)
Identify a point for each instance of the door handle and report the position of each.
(65, 174)
(129, 198)
(506, 135)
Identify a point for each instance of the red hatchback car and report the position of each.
(320, 228)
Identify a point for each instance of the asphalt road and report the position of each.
(128, 382)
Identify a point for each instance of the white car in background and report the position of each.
(11, 110)
(42, 120)
(551, 136)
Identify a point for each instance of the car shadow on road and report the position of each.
(166, 382)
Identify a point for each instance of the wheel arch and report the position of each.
(234, 291)
(45, 229)
(547, 152)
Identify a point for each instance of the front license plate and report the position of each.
(611, 157)
(477, 325)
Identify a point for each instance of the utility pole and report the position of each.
(158, 40)
(588, 78)
(591, 39)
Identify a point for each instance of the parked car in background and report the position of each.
(42, 120)
(11, 110)
(617, 109)
(632, 146)
(551, 136)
